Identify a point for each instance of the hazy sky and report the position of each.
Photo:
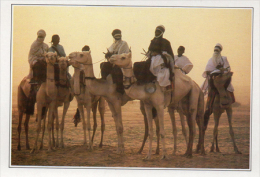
(198, 29)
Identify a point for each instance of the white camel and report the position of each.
(222, 102)
(51, 96)
(183, 86)
(86, 99)
(105, 88)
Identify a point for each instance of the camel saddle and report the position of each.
(142, 72)
(117, 75)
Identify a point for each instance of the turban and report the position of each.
(219, 46)
(116, 32)
(41, 33)
(86, 48)
(160, 28)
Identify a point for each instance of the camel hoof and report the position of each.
(28, 148)
(100, 145)
(32, 151)
(188, 155)
(120, 151)
(238, 152)
(147, 158)
(18, 147)
(157, 152)
(174, 153)
(164, 157)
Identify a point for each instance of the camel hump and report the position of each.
(181, 76)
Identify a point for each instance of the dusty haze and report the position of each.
(198, 29)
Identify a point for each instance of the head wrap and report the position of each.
(41, 32)
(116, 33)
(160, 28)
(86, 48)
(219, 46)
(55, 37)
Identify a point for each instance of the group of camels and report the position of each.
(187, 94)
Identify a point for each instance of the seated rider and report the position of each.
(182, 61)
(119, 46)
(36, 53)
(56, 47)
(216, 64)
(161, 56)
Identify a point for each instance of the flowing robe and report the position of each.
(211, 67)
(184, 63)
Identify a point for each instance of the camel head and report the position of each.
(63, 63)
(122, 60)
(80, 57)
(221, 83)
(50, 57)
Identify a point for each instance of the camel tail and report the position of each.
(22, 99)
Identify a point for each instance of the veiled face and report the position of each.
(121, 60)
(40, 38)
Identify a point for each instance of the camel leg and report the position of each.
(52, 131)
(145, 126)
(19, 129)
(182, 118)
(88, 107)
(231, 132)
(80, 107)
(148, 111)
(174, 129)
(217, 115)
(57, 127)
(50, 121)
(38, 129)
(116, 113)
(43, 126)
(94, 111)
(26, 130)
(65, 109)
(160, 114)
(101, 109)
(156, 120)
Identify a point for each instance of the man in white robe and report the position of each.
(182, 61)
(37, 50)
(216, 64)
(119, 46)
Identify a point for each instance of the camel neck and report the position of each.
(89, 71)
(50, 82)
(128, 70)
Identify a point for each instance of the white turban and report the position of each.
(41, 32)
(218, 45)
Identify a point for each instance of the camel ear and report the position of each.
(130, 50)
(130, 54)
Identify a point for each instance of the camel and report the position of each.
(222, 102)
(183, 109)
(105, 88)
(24, 108)
(50, 97)
(183, 86)
(86, 99)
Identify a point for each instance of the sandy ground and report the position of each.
(75, 154)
